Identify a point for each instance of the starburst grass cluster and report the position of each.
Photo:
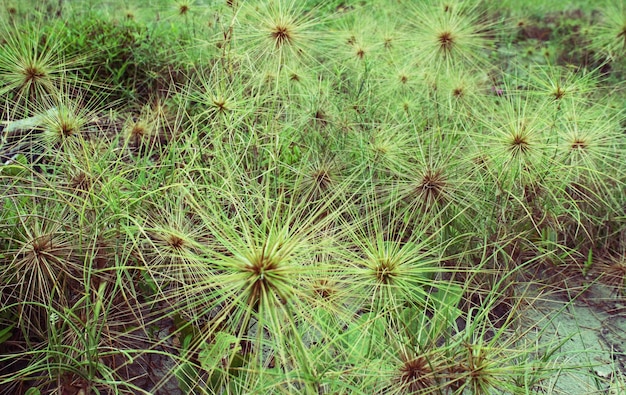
(287, 197)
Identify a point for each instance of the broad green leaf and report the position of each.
(186, 372)
(359, 336)
(187, 376)
(5, 334)
(16, 167)
(447, 299)
(210, 356)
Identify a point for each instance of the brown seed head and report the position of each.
(446, 41)
(416, 375)
(385, 271)
(41, 245)
(183, 9)
(282, 35)
(175, 242)
(432, 186)
(519, 144)
(559, 93)
(360, 53)
(32, 73)
(80, 182)
(578, 144)
(220, 105)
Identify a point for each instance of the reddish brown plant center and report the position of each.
(446, 41)
(559, 93)
(414, 374)
(579, 144)
(322, 179)
(432, 185)
(281, 35)
(33, 73)
(385, 271)
(519, 145)
(175, 242)
(220, 104)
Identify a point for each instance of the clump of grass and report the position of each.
(609, 36)
(40, 268)
(278, 33)
(294, 198)
(450, 35)
(34, 65)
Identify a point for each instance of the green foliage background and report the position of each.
(303, 197)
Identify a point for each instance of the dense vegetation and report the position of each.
(236, 197)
